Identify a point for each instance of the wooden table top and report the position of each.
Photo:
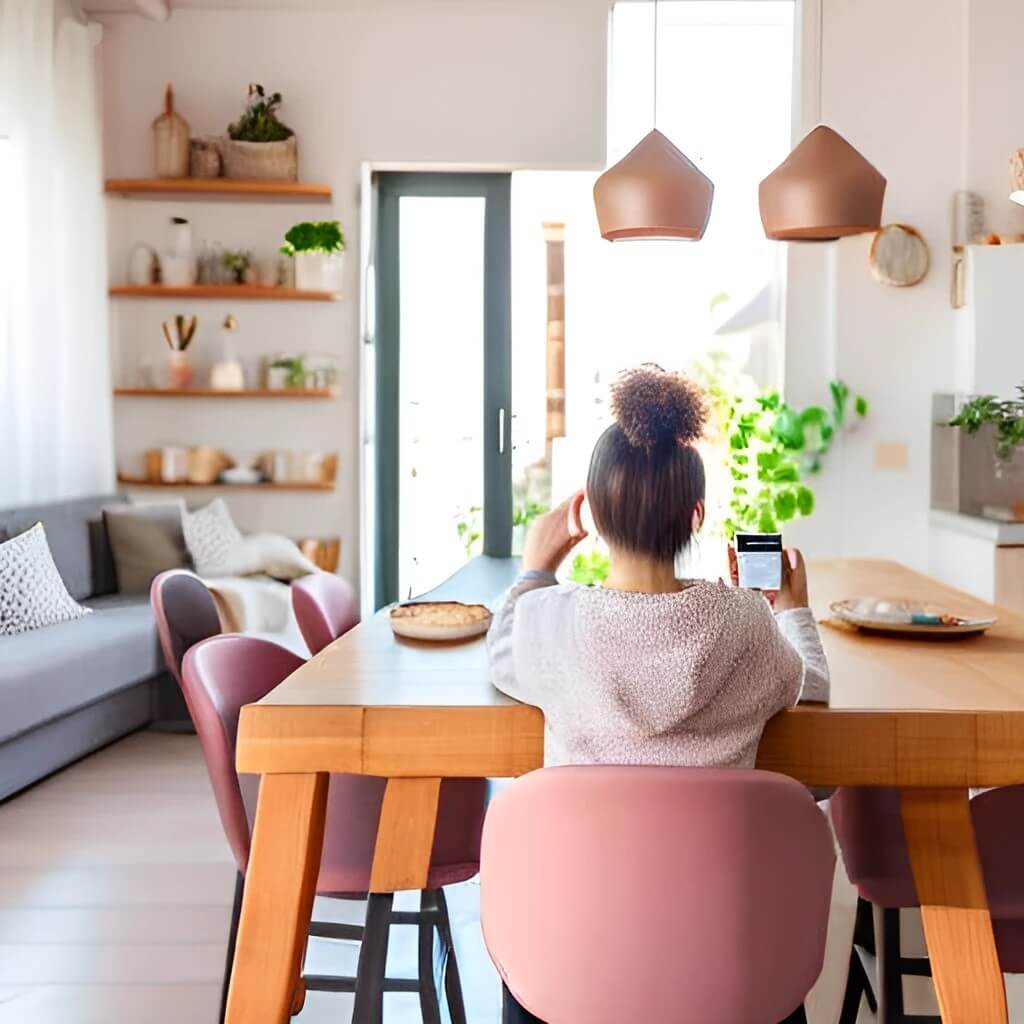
(369, 667)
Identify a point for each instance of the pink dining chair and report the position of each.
(869, 828)
(325, 607)
(225, 672)
(662, 895)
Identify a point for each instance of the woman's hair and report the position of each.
(645, 475)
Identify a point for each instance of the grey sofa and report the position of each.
(68, 689)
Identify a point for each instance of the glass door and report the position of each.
(443, 392)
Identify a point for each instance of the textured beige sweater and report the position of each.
(686, 678)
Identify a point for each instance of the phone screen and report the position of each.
(759, 560)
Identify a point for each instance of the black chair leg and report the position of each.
(890, 976)
(373, 958)
(430, 1009)
(798, 1016)
(857, 987)
(229, 960)
(512, 1012)
(452, 981)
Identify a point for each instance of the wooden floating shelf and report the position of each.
(220, 393)
(129, 481)
(220, 291)
(225, 188)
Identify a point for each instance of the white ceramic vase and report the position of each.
(319, 271)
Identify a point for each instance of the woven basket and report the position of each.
(276, 160)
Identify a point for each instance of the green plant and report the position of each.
(523, 515)
(314, 236)
(296, 367)
(590, 568)
(259, 123)
(772, 447)
(1006, 415)
(237, 261)
(469, 530)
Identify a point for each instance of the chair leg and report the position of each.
(798, 1016)
(229, 960)
(890, 977)
(430, 1008)
(512, 1012)
(452, 981)
(373, 958)
(856, 987)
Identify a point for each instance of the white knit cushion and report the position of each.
(211, 535)
(32, 594)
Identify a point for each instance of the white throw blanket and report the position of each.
(257, 605)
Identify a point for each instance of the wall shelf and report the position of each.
(219, 188)
(129, 481)
(301, 393)
(220, 291)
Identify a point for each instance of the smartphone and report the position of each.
(759, 560)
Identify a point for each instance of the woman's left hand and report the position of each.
(553, 535)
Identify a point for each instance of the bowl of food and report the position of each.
(439, 620)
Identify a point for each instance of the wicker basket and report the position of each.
(275, 160)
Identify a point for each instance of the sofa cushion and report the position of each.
(145, 540)
(78, 549)
(52, 671)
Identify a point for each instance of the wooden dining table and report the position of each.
(931, 717)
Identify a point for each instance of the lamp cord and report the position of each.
(655, 63)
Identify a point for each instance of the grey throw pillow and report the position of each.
(32, 594)
(145, 540)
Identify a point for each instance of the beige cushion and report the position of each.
(145, 540)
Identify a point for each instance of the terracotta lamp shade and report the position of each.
(823, 190)
(654, 191)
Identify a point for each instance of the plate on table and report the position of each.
(909, 618)
(439, 620)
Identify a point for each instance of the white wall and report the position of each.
(506, 82)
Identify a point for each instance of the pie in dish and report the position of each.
(439, 620)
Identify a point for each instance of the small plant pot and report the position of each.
(319, 271)
(274, 160)
(277, 378)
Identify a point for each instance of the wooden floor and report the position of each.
(115, 889)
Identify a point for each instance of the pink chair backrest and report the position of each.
(662, 895)
(325, 607)
(219, 676)
(185, 613)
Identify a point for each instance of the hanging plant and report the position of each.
(1006, 415)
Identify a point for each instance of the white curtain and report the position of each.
(56, 431)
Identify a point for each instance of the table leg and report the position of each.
(954, 907)
(405, 835)
(280, 883)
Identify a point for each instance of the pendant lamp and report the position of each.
(654, 191)
(822, 191)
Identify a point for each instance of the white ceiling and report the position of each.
(117, 6)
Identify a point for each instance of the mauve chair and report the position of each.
(225, 672)
(663, 895)
(869, 828)
(325, 607)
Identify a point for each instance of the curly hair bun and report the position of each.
(654, 408)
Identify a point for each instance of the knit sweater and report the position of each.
(685, 678)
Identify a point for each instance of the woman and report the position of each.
(649, 669)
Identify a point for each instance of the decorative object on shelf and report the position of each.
(323, 552)
(318, 251)
(285, 467)
(899, 256)
(655, 190)
(236, 262)
(178, 333)
(178, 264)
(268, 271)
(321, 371)
(823, 190)
(143, 264)
(287, 372)
(1005, 415)
(205, 465)
(205, 161)
(227, 373)
(212, 268)
(1017, 176)
(244, 475)
(258, 144)
(173, 464)
(170, 140)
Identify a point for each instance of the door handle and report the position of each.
(501, 431)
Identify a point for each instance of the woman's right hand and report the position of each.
(553, 535)
(793, 593)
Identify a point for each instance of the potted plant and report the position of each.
(317, 248)
(1005, 416)
(258, 145)
(287, 372)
